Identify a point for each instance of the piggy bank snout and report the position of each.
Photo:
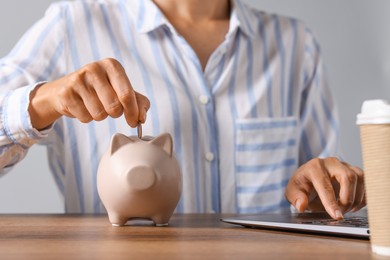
(141, 178)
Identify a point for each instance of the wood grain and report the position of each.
(188, 236)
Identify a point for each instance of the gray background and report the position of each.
(355, 40)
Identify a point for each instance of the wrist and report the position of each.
(41, 112)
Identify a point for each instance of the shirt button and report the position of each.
(204, 99)
(209, 156)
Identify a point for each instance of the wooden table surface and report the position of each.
(188, 236)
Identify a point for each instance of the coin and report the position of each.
(139, 131)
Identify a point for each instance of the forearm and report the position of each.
(16, 132)
(10, 155)
(39, 56)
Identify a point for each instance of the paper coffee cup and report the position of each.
(374, 122)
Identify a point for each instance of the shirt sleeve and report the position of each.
(37, 57)
(318, 114)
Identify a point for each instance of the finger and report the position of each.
(106, 94)
(360, 190)
(320, 178)
(124, 91)
(69, 103)
(347, 180)
(325, 192)
(143, 106)
(362, 204)
(297, 192)
(78, 110)
(92, 103)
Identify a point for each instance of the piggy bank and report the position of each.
(139, 178)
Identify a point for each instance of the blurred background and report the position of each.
(355, 39)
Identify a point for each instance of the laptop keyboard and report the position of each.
(346, 222)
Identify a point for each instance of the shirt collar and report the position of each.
(148, 16)
(239, 19)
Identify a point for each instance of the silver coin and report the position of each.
(139, 131)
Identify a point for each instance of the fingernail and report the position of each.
(144, 115)
(298, 204)
(338, 214)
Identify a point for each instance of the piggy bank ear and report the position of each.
(117, 141)
(165, 142)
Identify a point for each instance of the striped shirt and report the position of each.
(241, 126)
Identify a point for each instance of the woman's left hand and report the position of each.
(327, 184)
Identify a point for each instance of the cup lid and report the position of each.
(375, 111)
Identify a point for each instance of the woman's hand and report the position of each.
(93, 92)
(327, 184)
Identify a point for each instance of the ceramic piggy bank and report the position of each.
(139, 178)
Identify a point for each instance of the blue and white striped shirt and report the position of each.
(241, 127)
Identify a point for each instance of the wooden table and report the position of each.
(187, 237)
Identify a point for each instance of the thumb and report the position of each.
(301, 202)
(298, 198)
(143, 106)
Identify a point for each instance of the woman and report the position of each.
(242, 92)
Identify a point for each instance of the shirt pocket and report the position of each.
(266, 155)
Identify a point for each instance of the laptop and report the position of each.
(354, 225)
